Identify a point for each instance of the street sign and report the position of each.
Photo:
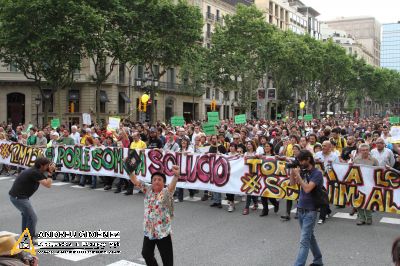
(177, 121)
(213, 118)
(240, 119)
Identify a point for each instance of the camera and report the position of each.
(58, 166)
(293, 164)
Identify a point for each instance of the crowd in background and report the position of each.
(366, 142)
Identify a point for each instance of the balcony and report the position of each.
(210, 16)
(177, 88)
(219, 20)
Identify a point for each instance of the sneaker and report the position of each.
(276, 207)
(264, 212)
(285, 217)
(231, 208)
(214, 205)
(360, 223)
(204, 198)
(245, 211)
(320, 221)
(107, 187)
(176, 200)
(118, 190)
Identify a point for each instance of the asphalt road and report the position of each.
(201, 235)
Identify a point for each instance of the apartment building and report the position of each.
(390, 48)
(366, 30)
(348, 42)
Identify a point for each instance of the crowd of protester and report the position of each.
(364, 141)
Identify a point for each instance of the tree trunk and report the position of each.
(98, 89)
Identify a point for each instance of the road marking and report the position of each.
(59, 184)
(75, 257)
(12, 180)
(77, 186)
(5, 233)
(192, 199)
(5, 177)
(124, 263)
(388, 220)
(225, 202)
(344, 215)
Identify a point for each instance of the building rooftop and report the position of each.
(235, 2)
(351, 18)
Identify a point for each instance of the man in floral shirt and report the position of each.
(158, 213)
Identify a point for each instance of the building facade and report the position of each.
(348, 42)
(366, 30)
(390, 48)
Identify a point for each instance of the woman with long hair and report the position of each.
(268, 151)
(251, 151)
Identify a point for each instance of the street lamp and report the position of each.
(38, 100)
(148, 83)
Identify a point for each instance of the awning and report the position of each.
(123, 96)
(104, 97)
(73, 95)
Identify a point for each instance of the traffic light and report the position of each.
(71, 107)
(213, 105)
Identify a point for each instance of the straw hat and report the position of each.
(7, 243)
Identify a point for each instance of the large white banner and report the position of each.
(360, 186)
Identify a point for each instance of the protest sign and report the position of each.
(86, 119)
(213, 118)
(28, 128)
(209, 129)
(361, 186)
(113, 123)
(308, 117)
(395, 134)
(394, 120)
(300, 117)
(240, 119)
(177, 121)
(55, 123)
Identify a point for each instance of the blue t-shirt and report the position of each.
(305, 199)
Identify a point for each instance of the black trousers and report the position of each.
(164, 245)
(264, 201)
(324, 210)
(230, 197)
(108, 180)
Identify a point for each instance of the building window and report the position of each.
(14, 67)
(48, 94)
(103, 100)
(208, 93)
(156, 71)
(121, 105)
(218, 15)
(73, 101)
(121, 73)
(139, 71)
(171, 76)
(226, 95)
(208, 9)
(208, 33)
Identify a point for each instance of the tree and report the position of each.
(237, 58)
(105, 41)
(44, 38)
(193, 71)
(166, 31)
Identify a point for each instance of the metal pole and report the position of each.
(193, 109)
(129, 91)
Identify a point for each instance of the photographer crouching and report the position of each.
(25, 185)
